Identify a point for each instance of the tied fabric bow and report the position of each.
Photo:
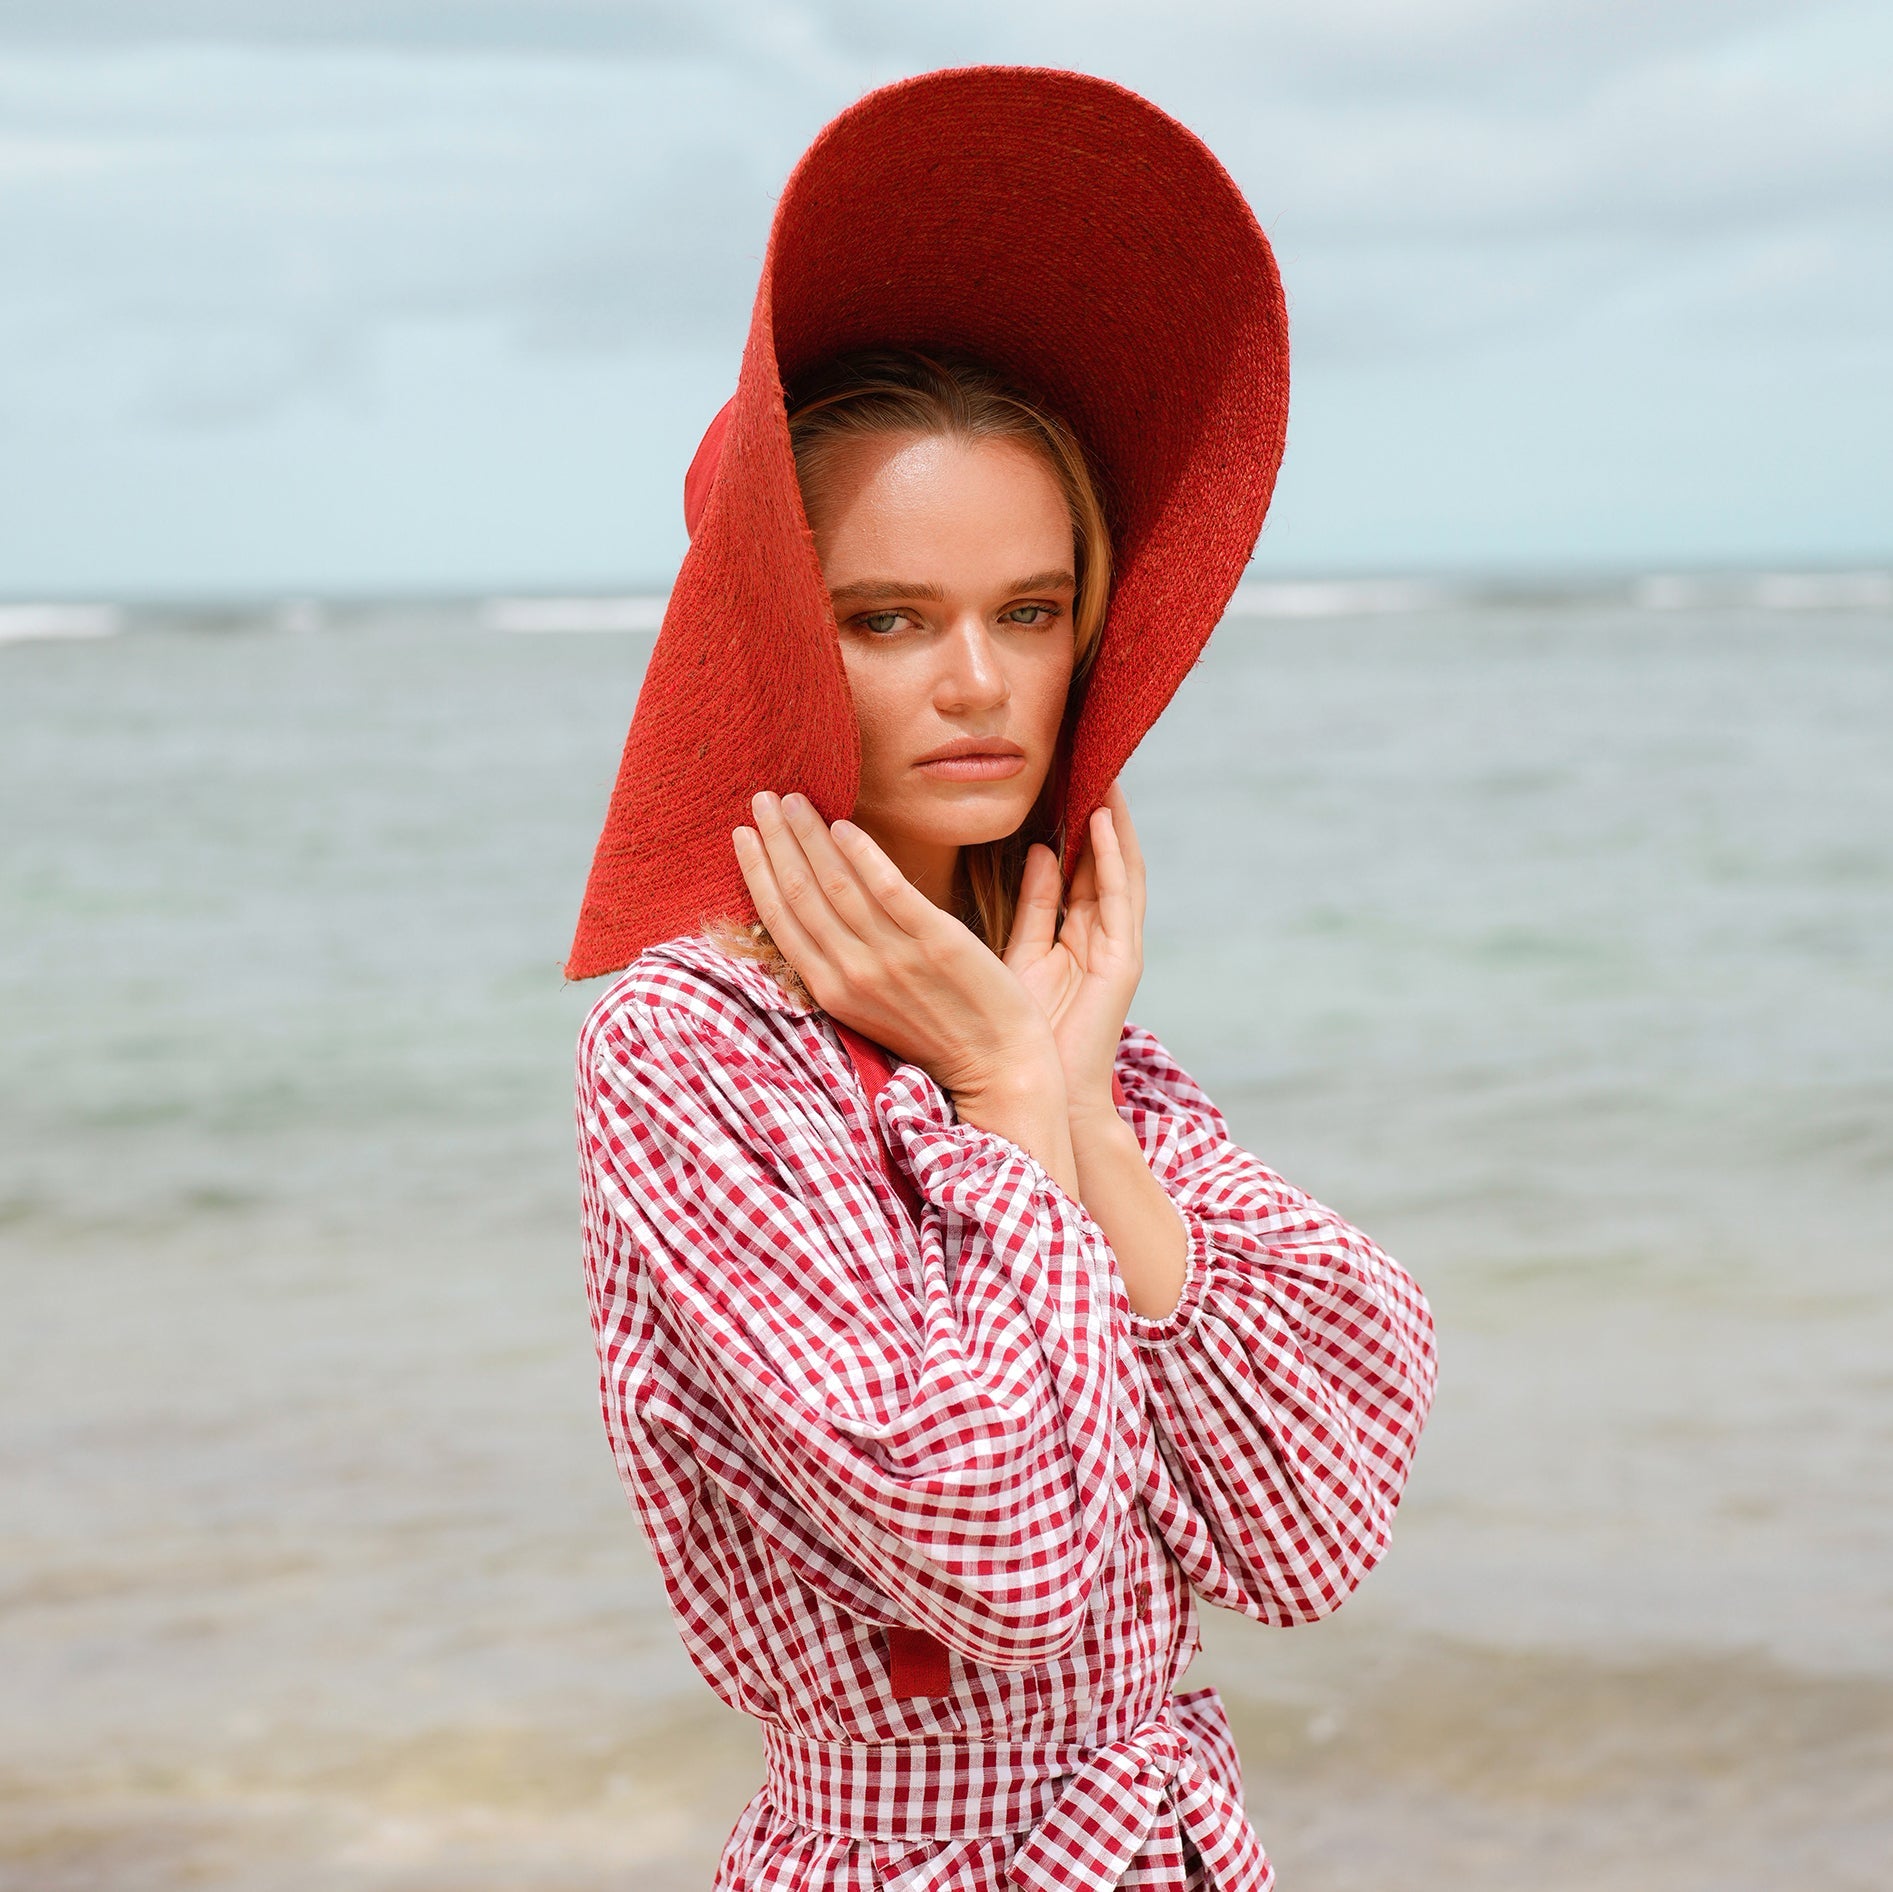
(1103, 1815)
(1098, 1825)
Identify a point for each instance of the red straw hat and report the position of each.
(1062, 229)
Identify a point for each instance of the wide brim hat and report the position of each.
(1071, 234)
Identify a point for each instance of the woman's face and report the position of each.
(950, 564)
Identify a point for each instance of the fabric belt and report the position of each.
(1083, 1810)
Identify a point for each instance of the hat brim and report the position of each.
(1064, 229)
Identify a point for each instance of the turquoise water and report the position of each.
(1548, 942)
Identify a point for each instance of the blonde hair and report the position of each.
(901, 391)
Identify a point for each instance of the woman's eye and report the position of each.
(880, 621)
(1029, 614)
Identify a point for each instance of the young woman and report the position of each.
(951, 1350)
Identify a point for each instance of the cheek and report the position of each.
(1042, 682)
(881, 705)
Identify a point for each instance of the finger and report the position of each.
(853, 901)
(1126, 831)
(1114, 892)
(1084, 879)
(1078, 930)
(1035, 918)
(797, 881)
(772, 909)
(1127, 841)
(900, 900)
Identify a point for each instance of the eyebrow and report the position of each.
(872, 590)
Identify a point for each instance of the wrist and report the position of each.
(1026, 1067)
(1094, 1113)
(1026, 1106)
(1023, 1079)
(1096, 1125)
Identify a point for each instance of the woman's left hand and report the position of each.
(1085, 973)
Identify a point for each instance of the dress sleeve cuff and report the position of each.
(952, 1163)
(1164, 1329)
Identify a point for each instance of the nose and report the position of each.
(971, 676)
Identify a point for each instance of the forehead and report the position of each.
(911, 505)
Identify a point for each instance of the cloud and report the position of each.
(222, 205)
(1471, 41)
(276, 210)
(635, 26)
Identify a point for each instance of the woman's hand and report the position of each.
(1085, 973)
(878, 955)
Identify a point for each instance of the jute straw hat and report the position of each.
(1069, 233)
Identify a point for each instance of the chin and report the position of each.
(976, 821)
(966, 823)
(975, 834)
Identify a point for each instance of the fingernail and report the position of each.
(795, 802)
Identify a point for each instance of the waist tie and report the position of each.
(1083, 1811)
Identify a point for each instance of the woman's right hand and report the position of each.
(878, 955)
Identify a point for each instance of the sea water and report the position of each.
(1547, 940)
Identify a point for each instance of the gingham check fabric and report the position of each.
(1088, 1809)
(833, 1423)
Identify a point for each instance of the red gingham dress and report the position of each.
(840, 1429)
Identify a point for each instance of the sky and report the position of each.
(349, 296)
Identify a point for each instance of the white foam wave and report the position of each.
(1864, 590)
(1346, 597)
(20, 623)
(537, 616)
(1764, 591)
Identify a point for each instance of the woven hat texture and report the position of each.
(1067, 231)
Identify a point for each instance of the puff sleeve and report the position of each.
(1289, 1383)
(941, 1426)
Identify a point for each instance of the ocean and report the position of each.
(1545, 934)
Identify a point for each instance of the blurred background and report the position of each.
(1522, 871)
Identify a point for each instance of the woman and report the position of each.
(950, 1349)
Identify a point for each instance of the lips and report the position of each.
(974, 759)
